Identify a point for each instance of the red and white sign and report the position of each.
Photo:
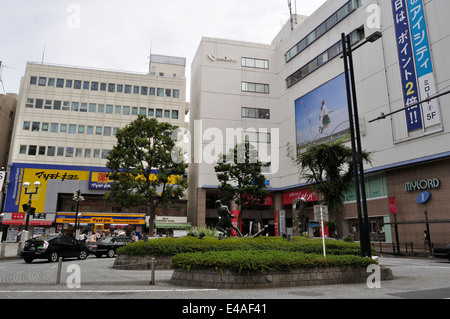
(307, 194)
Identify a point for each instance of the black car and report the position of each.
(108, 245)
(442, 252)
(53, 247)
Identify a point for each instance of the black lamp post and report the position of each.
(29, 208)
(356, 139)
(78, 198)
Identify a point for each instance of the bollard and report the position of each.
(406, 247)
(3, 251)
(412, 249)
(152, 281)
(19, 248)
(58, 276)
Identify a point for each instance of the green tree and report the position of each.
(142, 167)
(329, 168)
(240, 177)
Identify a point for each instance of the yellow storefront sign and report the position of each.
(94, 218)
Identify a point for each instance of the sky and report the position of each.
(119, 34)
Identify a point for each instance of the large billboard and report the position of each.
(321, 116)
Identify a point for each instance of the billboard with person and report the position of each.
(321, 116)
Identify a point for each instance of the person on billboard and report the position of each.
(324, 117)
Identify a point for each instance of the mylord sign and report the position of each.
(423, 184)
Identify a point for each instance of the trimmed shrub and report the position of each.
(269, 260)
(173, 246)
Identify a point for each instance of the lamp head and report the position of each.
(26, 184)
(374, 36)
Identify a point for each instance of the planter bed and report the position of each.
(209, 278)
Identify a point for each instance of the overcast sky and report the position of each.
(118, 34)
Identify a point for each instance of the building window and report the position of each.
(109, 109)
(144, 90)
(59, 83)
(33, 80)
(26, 125)
(81, 129)
(42, 81)
(98, 130)
(135, 89)
(101, 108)
(57, 105)
(72, 128)
(107, 131)
(159, 113)
(63, 128)
(167, 113)
(102, 86)
(51, 82)
(142, 111)
(30, 103)
(160, 92)
(51, 151)
(119, 88)
(78, 152)
(168, 92)
(87, 152)
(32, 150)
(255, 87)
(96, 153)
(255, 113)
(86, 85)
(74, 106)
(90, 130)
(126, 110)
(23, 149)
(35, 127)
(175, 114)
(48, 104)
(41, 150)
(105, 154)
(127, 89)
(94, 86)
(176, 94)
(54, 127)
(44, 127)
(60, 151)
(92, 107)
(151, 112)
(134, 111)
(118, 109)
(111, 87)
(69, 84)
(39, 103)
(152, 91)
(255, 63)
(69, 151)
(77, 85)
(83, 107)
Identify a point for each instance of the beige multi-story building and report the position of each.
(8, 104)
(67, 119)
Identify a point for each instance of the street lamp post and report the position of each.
(78, 198)
(355, 136)
(29, 208)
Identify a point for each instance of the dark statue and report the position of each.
(224, 224)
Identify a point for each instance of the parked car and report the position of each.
(442, 252)
(108, 245)
(53, 247)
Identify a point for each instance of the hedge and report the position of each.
(174, 246)
(269, 260)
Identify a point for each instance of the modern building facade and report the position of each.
(66, 122)
(277, 96)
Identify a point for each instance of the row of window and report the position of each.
(52, 151)
(329, 23)
(255, 63)
(106, 87)
(255, 113)
(99, 108)
(323, 58)
(69, 128)
(255, 87)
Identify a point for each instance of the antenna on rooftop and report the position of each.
(293, 16)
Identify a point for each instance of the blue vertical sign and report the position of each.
(407, 67)
(424, 66)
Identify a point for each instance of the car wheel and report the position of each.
(83, 255)
(110, 253)
(28, 260)
(53, 257)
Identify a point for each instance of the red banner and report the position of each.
(235, 222)
(392, 205)
(306, 193)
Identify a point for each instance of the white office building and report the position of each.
(277, 95)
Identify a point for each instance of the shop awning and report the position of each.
(173, 225)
